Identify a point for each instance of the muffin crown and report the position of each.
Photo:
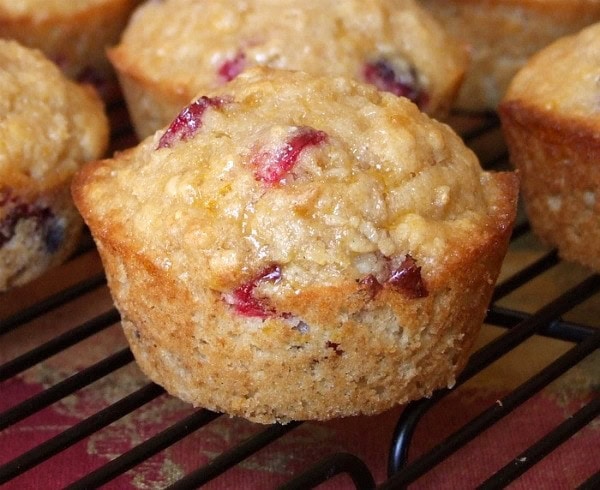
(570, 88)
(67, 121)
(179, 47)
(328, 179)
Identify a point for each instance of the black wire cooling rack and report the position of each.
(538, 297)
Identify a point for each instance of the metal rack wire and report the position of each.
(549, 319)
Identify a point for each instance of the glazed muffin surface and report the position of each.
(551, 120)
(171, 50)
(48, 127)
(297, 247)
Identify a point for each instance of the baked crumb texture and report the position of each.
(173, 49)
(73, 33)
(551, 119)
(298, 247)
(48, 127)
(501, 35)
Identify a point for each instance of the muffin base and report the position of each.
(557, 160)
(40, 241)
(352, 353)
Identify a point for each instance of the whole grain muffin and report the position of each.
(173, 49)
(74, 34)
(48, 127)
(551, 119)
(298, 247)
(502, 35)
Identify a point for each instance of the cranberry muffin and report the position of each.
(299, 247)
(48, 127)
(74, 34)
(502, 35)
(173, 49)
(551, 119)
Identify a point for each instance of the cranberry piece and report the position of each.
(16, 211)
(371, 284)
(243, 300)
(233, 67)
(390, 78)
(188, 122)
(335, 346)
(407, 279)
(271, 166)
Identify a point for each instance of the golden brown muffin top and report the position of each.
(48, 124)
(563, 78)
(326, 178)
(394, 44)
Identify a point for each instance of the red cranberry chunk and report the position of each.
(188, 122)
(233, 67)
(243, 300)
(371, 284)
(405, 279)
(408, 280)
(401, 81)
(271, 166)
(335, 346)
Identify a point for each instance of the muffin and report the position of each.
(173, 49)
(502, 35)
(551, 119)
(299, 247)
(48, 127)
(74, 34)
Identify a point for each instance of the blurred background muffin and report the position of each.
(72, 33)
(49, 126)
(551, 120)
(502, 34)
(172, 50)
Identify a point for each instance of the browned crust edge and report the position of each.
(557, 158)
